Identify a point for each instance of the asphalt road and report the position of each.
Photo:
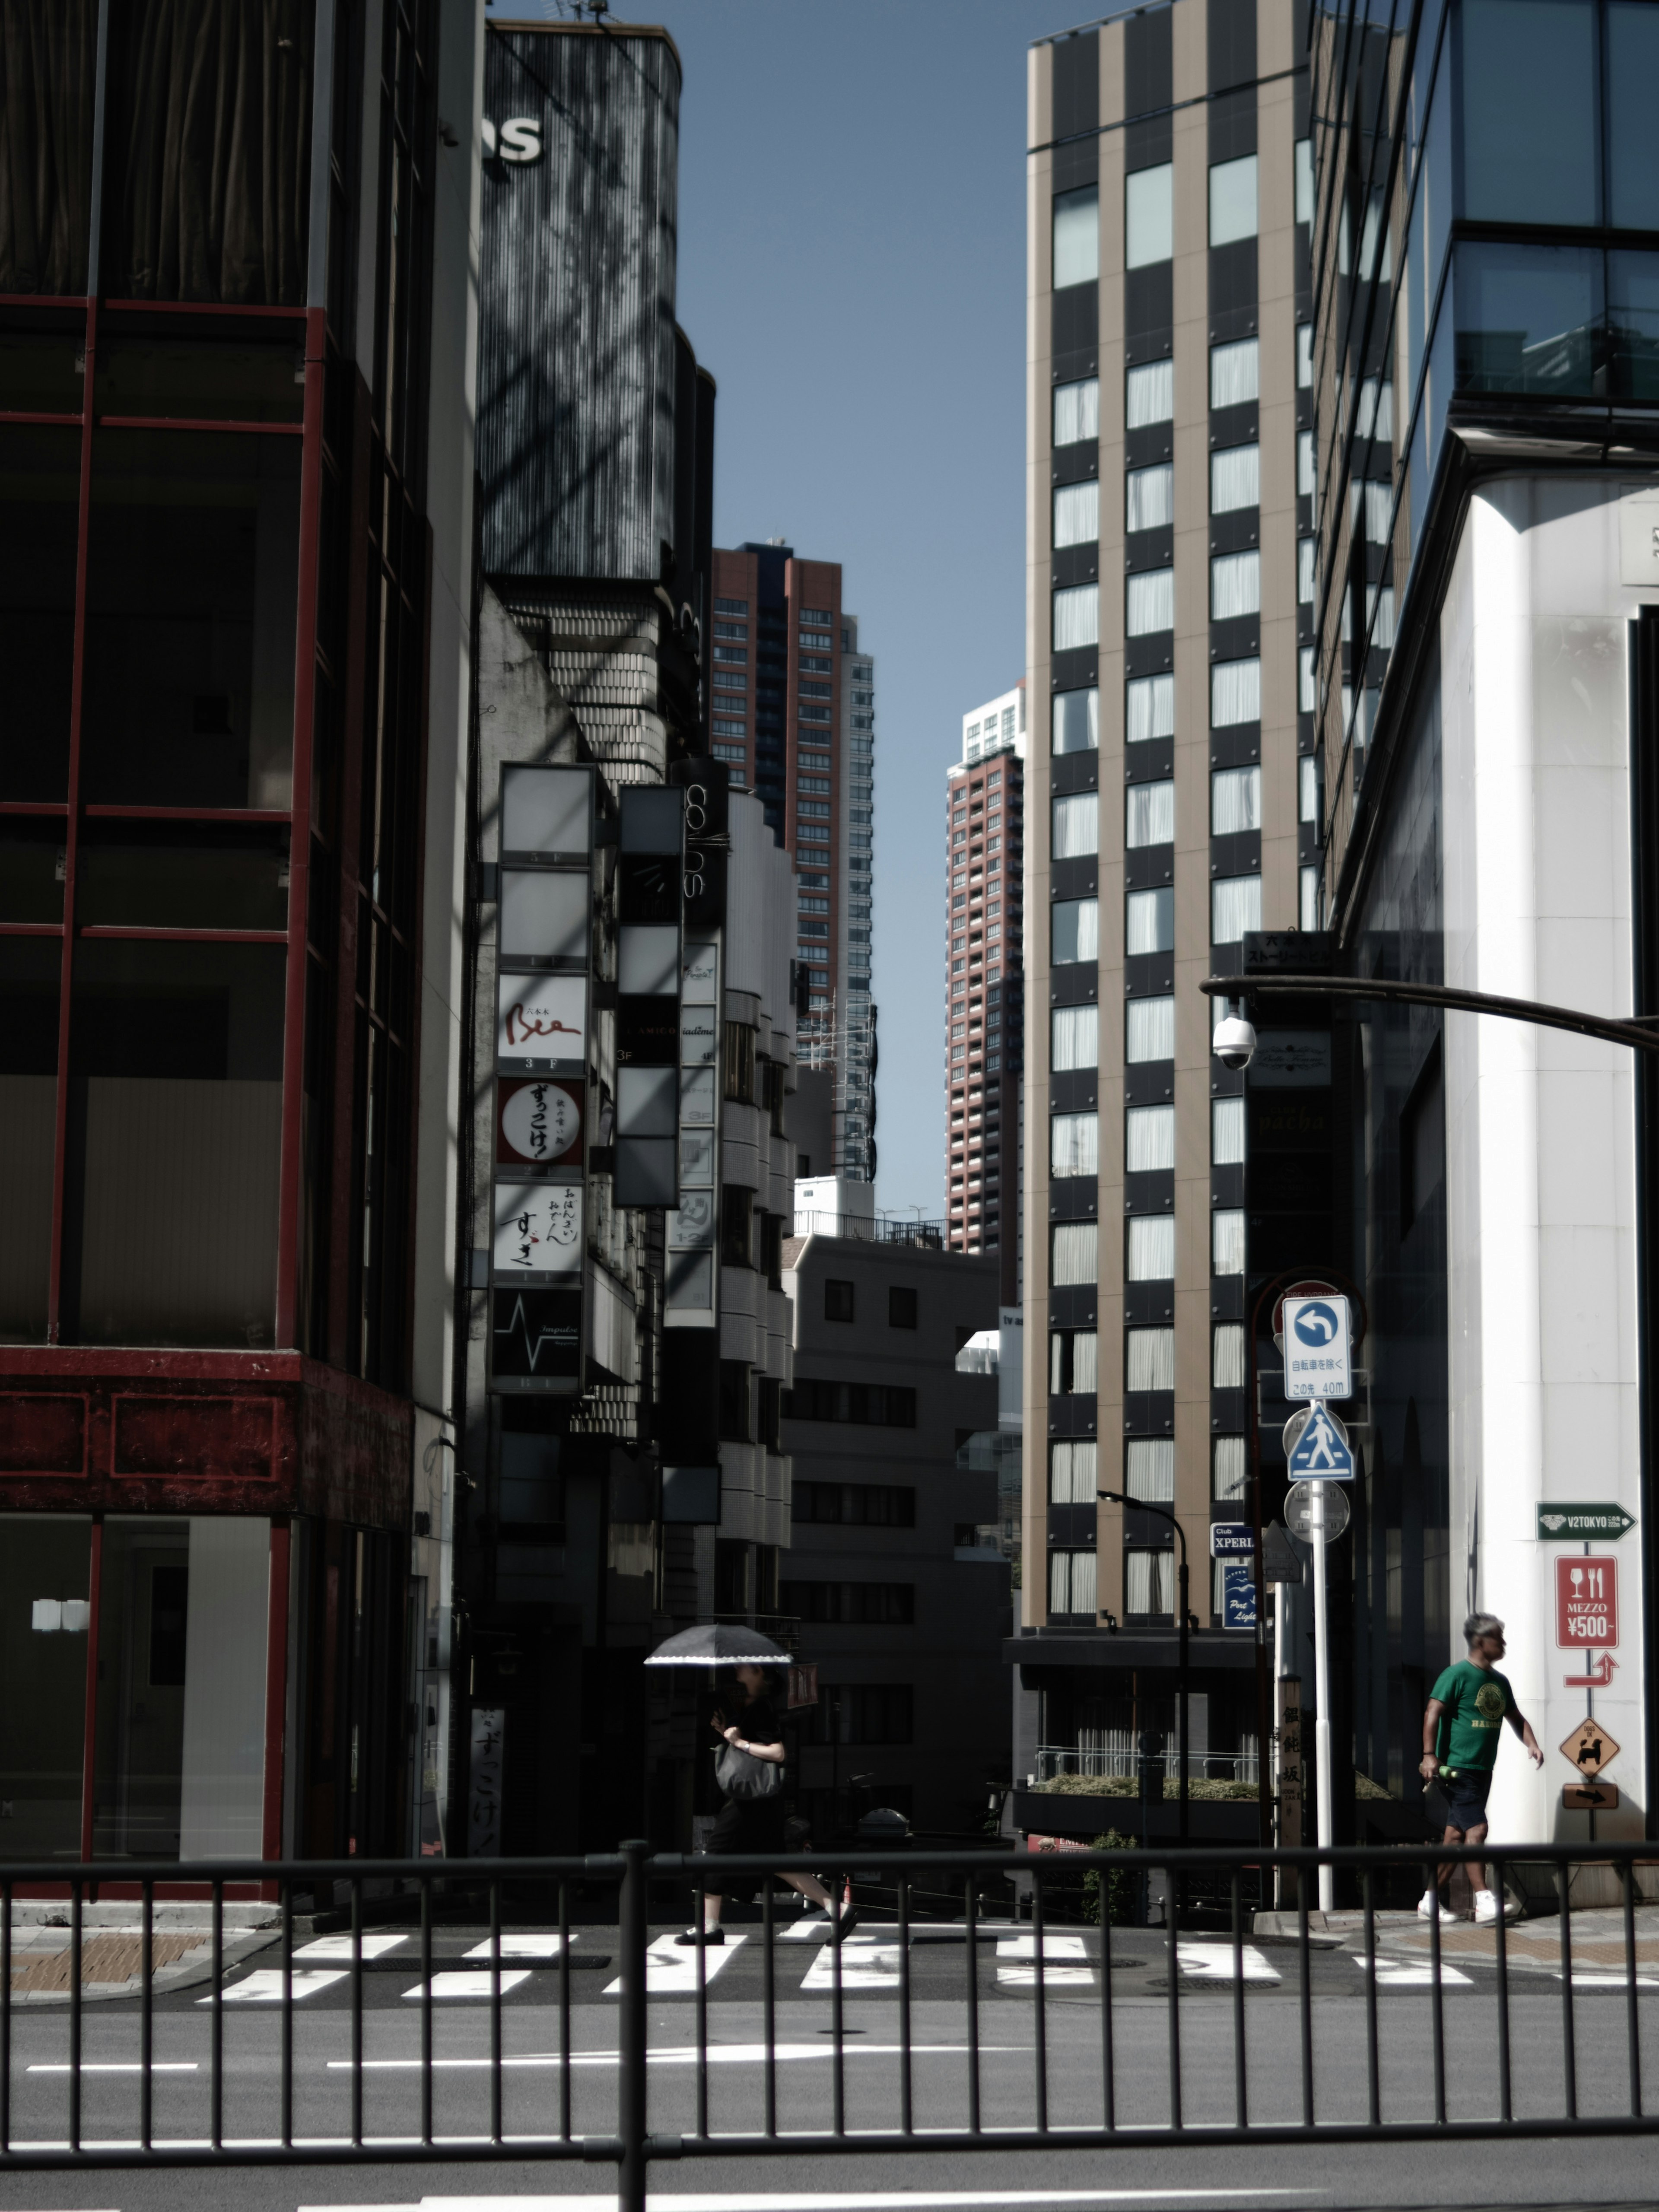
(535, 2078)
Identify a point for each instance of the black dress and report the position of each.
(749, 1824)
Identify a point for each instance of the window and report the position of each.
(1077, 826)
(1148, 215)
(1150, 497)
(1072, 1585)
(1077, 237)
(1149, 1139)
(730, 606)
(1235, 478)
(731, 630)
(1305, 181)
(1149, 1031)
(1149, 815)
(1235, 693)
(1148, 709)
(820, 617)
(1076, 412)
(734, 1402)
(1227, 1242)
(1151, 1247)
(1529, 83)
(1235, 802)
(1227, 1353)
(1073, 1355)
(1149, 1468)
(862, 1712)
(854, 1504)
(1076, 726)
(864, 1405)
(1307, 789)
(1150, 603)
(1305, 465)
(1307, 695)
(1149, 1585)
(900, 1307)
(1379, 616)
(1232, 200)
(1076, 514)
(1074, 1040)
(1226, 1133)
(1234, 372)
(1307, 898)
(737, 1059)
(1074, 1144)
(1076, 617)
(1148, 922)
(1422, 1142)
(1235, 906)
(838, 1300)
(1075, 927)
(736, 1226)
(1379, 508)
(1071, 1472)
(857, 1605)
(1632, 68)
(1149, 394)
(1305, 572)
(1235, 586)
(1229, 1477)
(1072, 1249)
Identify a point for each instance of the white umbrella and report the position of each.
(719, 1644)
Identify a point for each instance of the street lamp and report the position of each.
(1119, 1498)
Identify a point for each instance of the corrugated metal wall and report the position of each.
(576, 351)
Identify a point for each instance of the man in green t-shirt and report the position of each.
(1467, 1710)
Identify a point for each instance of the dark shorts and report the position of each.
(743, 1825)
(1465, 1799)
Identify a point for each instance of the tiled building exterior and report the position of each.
(985, 809)
(1166, 446)
(792, 713)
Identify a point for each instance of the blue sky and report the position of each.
(852, 273)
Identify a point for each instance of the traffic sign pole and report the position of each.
(1322, 1700)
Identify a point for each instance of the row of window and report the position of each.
(851, 1605)
(1149, 497)
(1149, 1141)
(1149, 1249)
(864, 1405)
(1149, 607)
(1148, 1467)
(1149, 218)
(1149, 702)
(1149, 1585)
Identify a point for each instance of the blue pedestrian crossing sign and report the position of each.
(1237, 1594)
(1320, 1453)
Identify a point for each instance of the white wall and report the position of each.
(1540, 1125)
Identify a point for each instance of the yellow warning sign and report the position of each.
(1590, 1748)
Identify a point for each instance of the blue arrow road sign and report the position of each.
(1231, 1540)
(1320, 1451)
(1237, 1597)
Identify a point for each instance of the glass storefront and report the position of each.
(44, 1584)
(178, 1650)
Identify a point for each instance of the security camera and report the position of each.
(1234, 1041)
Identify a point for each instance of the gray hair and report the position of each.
(1481, 1624)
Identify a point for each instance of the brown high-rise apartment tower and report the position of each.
(1169, 483)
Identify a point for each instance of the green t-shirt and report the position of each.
(1476, 1699)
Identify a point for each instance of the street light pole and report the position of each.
(1119, 1498)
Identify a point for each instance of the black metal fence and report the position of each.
(1097, 2012)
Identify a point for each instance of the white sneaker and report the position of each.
(1431, 1908)
(1487, 1908)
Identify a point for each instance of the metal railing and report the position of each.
(1118, 1761)
(1219, 2026)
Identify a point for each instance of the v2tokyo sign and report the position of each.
(1586, 1602)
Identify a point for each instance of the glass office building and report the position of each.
(1485, 182)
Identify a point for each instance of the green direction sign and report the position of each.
(1578, 1524)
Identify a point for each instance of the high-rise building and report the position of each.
(792, 713)
(1168, 290)
(985, 819)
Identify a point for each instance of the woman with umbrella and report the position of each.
(749, 1770)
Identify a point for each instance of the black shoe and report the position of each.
(693, 1936)
(846, 1922)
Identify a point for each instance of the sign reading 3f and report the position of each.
(1318, 1348)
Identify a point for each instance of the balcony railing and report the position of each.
(1120, 1761)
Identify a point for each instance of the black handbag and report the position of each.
(741, 1775)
